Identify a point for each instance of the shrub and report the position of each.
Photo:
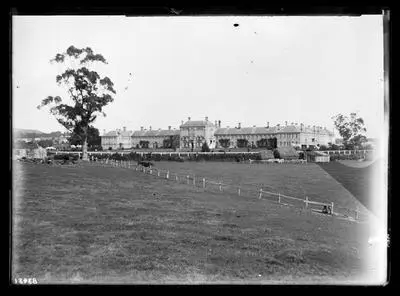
(205, 147)
(277, 154)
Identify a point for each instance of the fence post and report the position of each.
(260, 196)
(204, 182)
(167, 175)
(187, 179)
(176, 178)
(220, 186)
(332, 208)
(194, 180)
(306, 201)
(279, 198)
(151, 171)
(239, 190)
(158, 173)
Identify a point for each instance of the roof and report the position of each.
(111, 134)
(115, 133)
(194, 123)
(155, 133)
(245, 130)
(265, 130)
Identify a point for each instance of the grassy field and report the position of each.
(112, 225)
(290, 179)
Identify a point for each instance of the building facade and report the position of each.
(272, 137)
(192, 134)
(155, 139)
(118, 139)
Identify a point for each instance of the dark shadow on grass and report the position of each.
(356, 180)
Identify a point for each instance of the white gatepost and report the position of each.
(204, 182)
(306, 201)
(260, 196)
(176, 178)
(220, 186)
(279, 198)
(188, 179)
(158, 173)
(194, 180)
(167, 175)
(332, 208)
(239, 190)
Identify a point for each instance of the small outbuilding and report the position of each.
(317, 156)
(29, 150)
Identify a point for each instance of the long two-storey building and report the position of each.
(192, 134)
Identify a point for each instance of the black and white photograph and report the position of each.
(199, 149)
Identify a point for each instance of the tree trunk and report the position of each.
(84, 149)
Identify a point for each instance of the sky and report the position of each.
(268, 69)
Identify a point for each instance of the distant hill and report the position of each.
(29, 133)
(19, 131)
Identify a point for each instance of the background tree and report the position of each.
(88, 91)
(351, 129)
(45, 143)
(93, 138)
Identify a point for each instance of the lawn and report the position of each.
(297, 180)
(95, 224)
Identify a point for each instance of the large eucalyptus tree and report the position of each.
(89, 92)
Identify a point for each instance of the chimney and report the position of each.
(141, 128)
(301, 126)
(188, 118)
(285, 123)
(169, 127)
(150, 128)
(181, 122)
(267, 124)
(239, 125)
(254, 126)
(104, 131)
(206, 118)
(216, 123)
(219, 123)
(124, 128)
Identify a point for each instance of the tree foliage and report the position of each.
(45, 143)
(205, 148)
(351, 129)
(88, 91)
(93, 137)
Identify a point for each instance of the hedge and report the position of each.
(133, 156)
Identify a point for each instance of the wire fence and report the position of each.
(208, 184)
